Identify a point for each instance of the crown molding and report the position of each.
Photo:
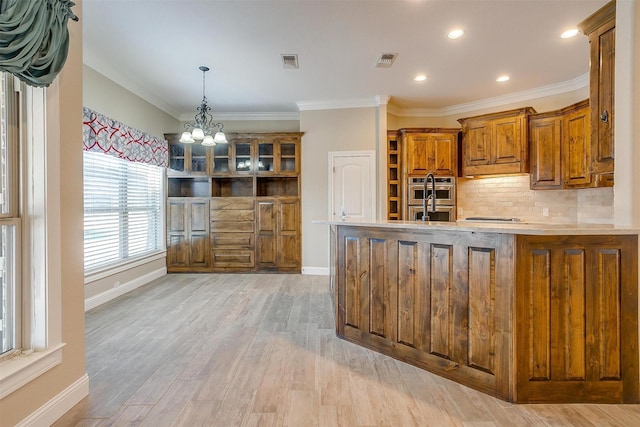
(337, 104)
(247, 116)
(497, 101)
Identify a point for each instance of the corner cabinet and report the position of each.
(394, 183)
(601, 30)
(497, 143)
(251, 187)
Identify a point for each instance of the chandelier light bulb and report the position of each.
(208, 140)
(220, 138)
(197, 134)
(186, 138)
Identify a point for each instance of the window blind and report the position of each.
(122, 210)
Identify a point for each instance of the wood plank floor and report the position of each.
(260, 350)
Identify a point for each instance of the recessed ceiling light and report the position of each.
(420, 78)
(503, 78)
(456, 33)
(569, 33)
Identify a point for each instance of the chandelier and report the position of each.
(203, 127)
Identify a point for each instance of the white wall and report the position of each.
(352, 129)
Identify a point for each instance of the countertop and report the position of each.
(526, 228)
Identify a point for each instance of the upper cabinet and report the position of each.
(496, 143)
(430, 150)
(600, 28)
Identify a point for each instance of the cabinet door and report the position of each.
(576, 149)
(546, 134)
(602, 90)
(199, 246)
(243, 157)
(417, 154)
(507, 140)
(266, 229)
(288, 239)
(177, 243)
(477, 149)
(442, 156)
(288, 157)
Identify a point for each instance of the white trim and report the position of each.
(315, 271)
(20, 370)
(101, 273)
(188, 117)
(55, 408)
(497, 101)
(96, 300)
(337, 104)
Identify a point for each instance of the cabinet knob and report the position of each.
(604, 117)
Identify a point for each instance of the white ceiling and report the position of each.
(154, 48)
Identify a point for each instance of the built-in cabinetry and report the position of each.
(430, 150)
(394, 183)
(525, 318)
(188, 234)
(497, 143)
(601, 30)
(251, 187)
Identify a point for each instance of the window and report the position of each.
(9, 216)
(122, 210)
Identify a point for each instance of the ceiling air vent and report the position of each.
(289, 61)
(386, 60)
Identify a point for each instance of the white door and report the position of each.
(352, 186)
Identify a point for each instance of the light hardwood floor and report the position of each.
(260, 350)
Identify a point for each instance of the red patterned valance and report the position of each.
(100, 133)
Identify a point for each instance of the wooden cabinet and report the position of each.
(600, 28)
(188, 234)
(232, 233)
(278, 234)
(560, 143)
(430, 150)
(440, 301)
(394, 183)
(577, 303)
(525, 318)
(561, 149)
(494, 144)
(233, 177)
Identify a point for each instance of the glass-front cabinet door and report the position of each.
(221, 159)
(176, 156)
(289, 157)
(198, 158)
(266, 157)
(243, 157)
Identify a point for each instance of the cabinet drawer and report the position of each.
(232, 226)
(234, 215)
(233, 258)
(231, 203)
(232, 240)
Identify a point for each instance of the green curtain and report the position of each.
(34, 40)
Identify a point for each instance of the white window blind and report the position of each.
(122, 210)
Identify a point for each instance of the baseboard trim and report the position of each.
(316, 271)
(55, 408)
(96, 300)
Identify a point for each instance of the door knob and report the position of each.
(604, 117)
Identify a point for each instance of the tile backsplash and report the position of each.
(511, 197)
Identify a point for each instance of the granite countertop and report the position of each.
(507, 227)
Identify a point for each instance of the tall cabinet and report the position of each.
(601, 30)
(248, 195)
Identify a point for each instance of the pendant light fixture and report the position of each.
(203, 127)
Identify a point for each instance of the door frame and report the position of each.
(371, 155)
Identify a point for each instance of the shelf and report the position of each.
(277, 186)
(188, 187)
(232, 187)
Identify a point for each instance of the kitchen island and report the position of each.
(523, 312)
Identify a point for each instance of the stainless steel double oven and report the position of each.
(445, 187)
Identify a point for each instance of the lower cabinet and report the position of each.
(523, 318)
(278, 234)
(188, 242)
